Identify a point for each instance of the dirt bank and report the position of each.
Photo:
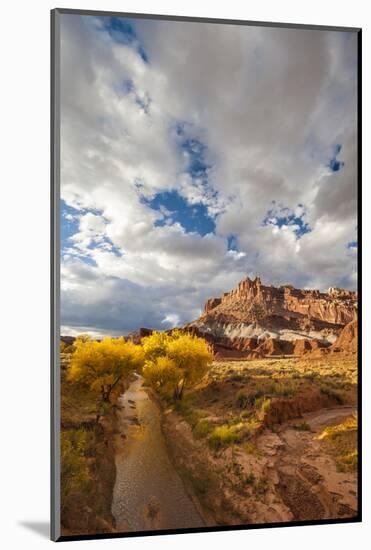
(88, 511)
(248, 441)
(283, 476)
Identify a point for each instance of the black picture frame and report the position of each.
(55, 269)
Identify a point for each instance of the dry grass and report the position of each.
(340, 371)
(240, 415)
(341, 442)
(238, 397)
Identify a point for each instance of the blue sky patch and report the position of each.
(112, 248)
(334, 164)
(197, 165)
(123, 31)
(232, 242)
(70, 220)
(87, 260)
(190, 143)
(69, 223)
(192, 217)
(285, 216)
(128, 87)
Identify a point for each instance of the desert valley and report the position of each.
(207, 255)
(246, 415)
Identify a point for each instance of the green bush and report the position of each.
(333, 393)
(235, 431)
(202, 428)
(222, 436)
(76, 446)
(284, 389)
(190, 414)
(242, 399)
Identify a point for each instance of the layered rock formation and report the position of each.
(346, 343)
(348, 339)
(258, 320)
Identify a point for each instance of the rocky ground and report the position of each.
(270, 440)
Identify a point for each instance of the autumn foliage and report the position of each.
(175, 361)
(103, 365)
(169, 362)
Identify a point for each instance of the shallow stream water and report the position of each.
(148, 492)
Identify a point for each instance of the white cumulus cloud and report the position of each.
(272, 109)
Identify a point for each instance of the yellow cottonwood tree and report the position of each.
(192, 357)
(103, 365)
(155, 345)
(175, 360)
(162, 374)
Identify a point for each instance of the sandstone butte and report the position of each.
(255, 320)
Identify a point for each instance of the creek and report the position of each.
(148, 492)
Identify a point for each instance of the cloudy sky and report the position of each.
(193, 155)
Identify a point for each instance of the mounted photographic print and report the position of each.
(205, 240)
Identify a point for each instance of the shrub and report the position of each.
(348, 462)
(201, 484)
(348, 425)
(189, 413)
(242, 399)
(284, 389)
(341, 440)
(250, 448)
(333, 393)
(222, 436)
(251, 425)
(76, 445)
(234, 432)
(202, 428)
(183, 407)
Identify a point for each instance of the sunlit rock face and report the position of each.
(267, 320)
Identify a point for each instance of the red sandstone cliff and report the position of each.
(347, 342)
(264, 320)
